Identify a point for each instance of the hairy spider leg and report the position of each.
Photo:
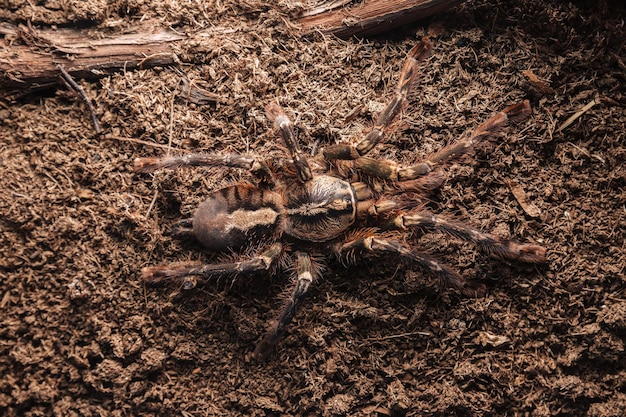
(390, 170)
(446, 276)
(487, 243)
(183, 228)
(190, 276)
(283, 125)
(306, 273)
(258, 168)
(385, 120)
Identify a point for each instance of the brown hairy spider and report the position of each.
(300, 210)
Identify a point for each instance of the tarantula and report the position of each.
(300, 210)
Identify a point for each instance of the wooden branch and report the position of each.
(33, 58)
(344, 19)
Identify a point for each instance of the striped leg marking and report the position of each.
(259, 169)
(284, 126)
(190, 276)
(485, 242)
(306, 274)
(445, 275)
(385, 120)
(390, 170)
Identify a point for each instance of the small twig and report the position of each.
(73, 85)
(315, 145)
(154, 198)
(397, 336)
(576, 115)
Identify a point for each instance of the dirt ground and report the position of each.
(81, 335)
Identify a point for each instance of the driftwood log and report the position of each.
(31, 58)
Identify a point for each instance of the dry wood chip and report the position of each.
(538, 83)
(522, 198)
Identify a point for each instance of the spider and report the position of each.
(298, 211)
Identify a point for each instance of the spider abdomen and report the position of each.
(233, 216)
(320, 209)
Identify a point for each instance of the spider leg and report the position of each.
(486, 242)
(188, 276)
(284, 126)
(306, 273)
(446, 276)
(258, 168)
(183, 228)
(385, 120)
(390, 170)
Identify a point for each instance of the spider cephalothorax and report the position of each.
(336, 205)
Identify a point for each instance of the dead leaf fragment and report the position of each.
(522, 198)
(197, 92)
(84, 193)
(538, 83)
(490, 339)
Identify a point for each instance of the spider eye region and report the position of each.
(320, 209)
